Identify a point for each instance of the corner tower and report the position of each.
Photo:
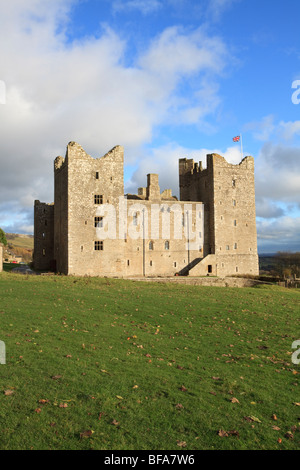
(228, 194)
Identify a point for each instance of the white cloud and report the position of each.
(288, 130)
(59, 91)
(280, 234)
(263, 129)
(143, 6)
(216, 8)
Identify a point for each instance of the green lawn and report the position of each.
(116, 364)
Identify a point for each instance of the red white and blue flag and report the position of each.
(236, 139)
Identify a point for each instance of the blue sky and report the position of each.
(164, 78)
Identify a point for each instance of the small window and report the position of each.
(128, 262)
(98, 199)
(150, 263)
(44, 252)
(227, 247)
(135, 219)
(235, 223)
(167, 245)
(182, 220)
(98, 245)
(175, 264)
(81, 249)
(151, 245)
(236, 269)
(97, 175)
(43, 235)
(46, 223)
(234, 202)
(98, 222)
(233, 183)
(209, 268)
(235, 246)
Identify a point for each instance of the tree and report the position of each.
(3, 237)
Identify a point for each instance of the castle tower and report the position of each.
(82, 185)
(228, 194)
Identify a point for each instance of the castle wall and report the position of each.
(94, 230)
(1, 257)
(43, 254)
(61, 215)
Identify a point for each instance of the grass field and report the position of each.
(115, 364)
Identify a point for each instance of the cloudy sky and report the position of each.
(164, 78)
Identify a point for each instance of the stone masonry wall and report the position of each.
(43, 254)
(1, 257)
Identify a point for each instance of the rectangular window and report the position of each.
(150, 263)
(209, 268)
(234, 202)
(227, 247)
(44, 252)
(98, 199)
(235, 246)
(97, 175)
(234, 223)
(128, 262)
(98, 245)
(98, 222)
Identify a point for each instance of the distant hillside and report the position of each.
(20, 240)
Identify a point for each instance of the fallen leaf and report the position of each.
(274, 417)
(276, 428)
(234, 400)
(181, 443)
(8, 392)
(115, 422)
(63, 405)
(289, 435)
(38, 410)
(88, 433)
(183, 389)
(251, 419)
(56, 377)
(179, 406)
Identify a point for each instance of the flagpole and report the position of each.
(242, 146)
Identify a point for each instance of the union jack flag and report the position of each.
(236, 139)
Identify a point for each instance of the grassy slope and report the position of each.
(21, 242)
(125, 349)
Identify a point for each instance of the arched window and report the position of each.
(167, 245)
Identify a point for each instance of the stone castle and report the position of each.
(92, 228)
